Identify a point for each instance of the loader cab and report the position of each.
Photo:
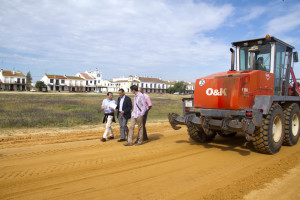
(267, 54)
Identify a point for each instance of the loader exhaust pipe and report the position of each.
(232, 59)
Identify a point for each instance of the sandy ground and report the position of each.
(76, 165)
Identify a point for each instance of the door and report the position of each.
(280, 68)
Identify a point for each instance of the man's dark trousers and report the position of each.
(145, 137)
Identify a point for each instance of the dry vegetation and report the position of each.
(37, 110)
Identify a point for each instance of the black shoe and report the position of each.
(110, 137)
(103, 139)
(136, 142)
(145, 138)
(121, 140)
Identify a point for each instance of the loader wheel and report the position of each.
(292, 124)
(268, 138)
(228, 135)
(198, 134)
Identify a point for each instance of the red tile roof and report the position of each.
(86, 76)
(153, 80)
(12, 73)
(74, 78)
(189, 83)
(56, 76)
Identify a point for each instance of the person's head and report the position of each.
(140, 90)
(134, 89)
(109, 95)
(121, 92)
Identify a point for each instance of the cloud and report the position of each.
(248, 14)
(285, 23)
(143, 36)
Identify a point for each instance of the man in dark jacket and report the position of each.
(124, 107)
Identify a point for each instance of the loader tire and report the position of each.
(269, 137)
(292, 124)
(198, 134)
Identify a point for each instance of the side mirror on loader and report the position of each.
(295, 56)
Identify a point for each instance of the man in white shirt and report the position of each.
(108, 105)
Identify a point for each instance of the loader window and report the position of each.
(255, 58)
(280, 67)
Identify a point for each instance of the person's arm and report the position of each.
(149, 102)
(103, 107)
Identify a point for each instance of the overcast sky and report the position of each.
(171, 39)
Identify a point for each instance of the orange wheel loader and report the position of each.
(258, 97)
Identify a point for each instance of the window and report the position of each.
(257, 57)
(98, 75)
(87, 82)
(63, 81)
(91, 81)
(279, 68)
(51, 80)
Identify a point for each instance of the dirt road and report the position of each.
(76, 165)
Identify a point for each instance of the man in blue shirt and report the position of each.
(108, 105)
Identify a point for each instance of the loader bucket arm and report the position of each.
(175, 120)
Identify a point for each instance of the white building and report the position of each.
(12, 80)
(149, 85)
(94, 81)
(91, 81)
(153, 85)
(75, 84)
(125, 82)
(190, 87)
(55, 82)
(64, 83)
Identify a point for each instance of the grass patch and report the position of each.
(28, 110)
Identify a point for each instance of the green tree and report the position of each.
(40, 85)
(178, 87)
(28, 81)
(171, 90)
(28, 78)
